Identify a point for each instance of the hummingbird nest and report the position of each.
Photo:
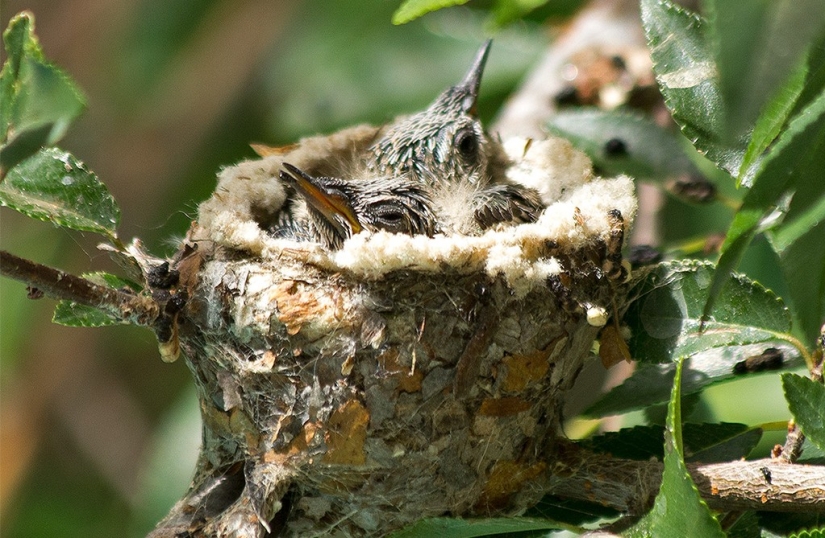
(355, 391)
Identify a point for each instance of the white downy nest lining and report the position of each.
(576, 215)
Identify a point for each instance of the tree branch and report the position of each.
(58, 284)
(630, 486)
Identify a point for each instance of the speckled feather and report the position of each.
(394, 204)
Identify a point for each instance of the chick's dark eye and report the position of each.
(467, 144)
(390, 218)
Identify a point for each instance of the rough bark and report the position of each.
(629, 486)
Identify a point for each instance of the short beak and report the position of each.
(334, 207)
(472, 80)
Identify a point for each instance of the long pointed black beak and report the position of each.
(472, 80)
(327, 202)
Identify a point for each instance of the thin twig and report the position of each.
(58, 284)
(792, 449)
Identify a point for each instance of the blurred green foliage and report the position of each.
(175, 91)
(103, 438)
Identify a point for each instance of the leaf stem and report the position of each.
(795, 342)
(127, 307)
(729, 202)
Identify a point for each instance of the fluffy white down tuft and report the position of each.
(576, 215)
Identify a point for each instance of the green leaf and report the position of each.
(810, 533)
(39, 99)
(650, 383)
(781, 167)
(756, 46)
(792, 167)
(811, 454)
(666, 313)
(747, 526)
(16, 37)
(55, 187)
(685, 68)
(789, 524)
(636, 443)
(469, 528)
(413, 9)
(678, 506)
(815, 79)
(794, 229)
(113, 281)
(19, 40)
(664, 320)
(72, 314)
(806, 400)
(703, 442)
(652, 152)
(798, 239)
(712, 443)
(773, 117)
(507, 11)
(803, 266)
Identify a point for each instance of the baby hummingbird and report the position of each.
(446, 141)
(339, 209)
(445, 148)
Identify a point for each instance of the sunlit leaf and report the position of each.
(756, 46)
(685, 68)
(767, 127)
(799, 238)
(665, 317)
(650, 383)
(678, 505)
(665, 323)
(810, 533)
(791, 168)
(412, 9)
(113, 281)
(815, 76)
(39, 99)
(793, 229)
(806, 400)
(55, 187)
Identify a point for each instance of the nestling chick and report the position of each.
(445, 148)
(446, 141)
(339, 209)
